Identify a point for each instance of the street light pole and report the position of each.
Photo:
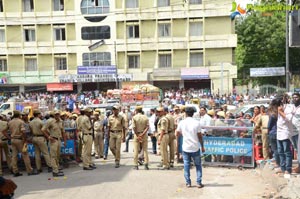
(287, 70)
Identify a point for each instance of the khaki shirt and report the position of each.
(262, 123)
(3, 127)
(116, 123)
(98, 125)
(163, 124)
(86, 125)
(16, 127)
(78, 122)
(36, 126)
(54, 127)
(171, 121)
(140, 122)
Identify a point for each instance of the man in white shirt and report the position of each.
(204, 119)
(284, 129)
(190, 129)
(296, 128)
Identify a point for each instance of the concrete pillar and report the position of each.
(22, 89)
(79, 87)
(181, 84)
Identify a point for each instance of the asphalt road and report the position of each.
(108, 182)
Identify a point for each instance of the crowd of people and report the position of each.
(175, 128)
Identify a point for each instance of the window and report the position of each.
(3, 65)
(58, 5)
(165, 61)
(29, 35)
(133, 61)
(96, 32)
(30, 64)
(132, 3)
(196, 59)
(162, 3)
(195, 1)
(133, 31)
(1, 6)
(61, 63)
(59, 34)
(96, 59)
(2, 35)
(94, 7)
(195, 28)
(164, 30)
(28, 6)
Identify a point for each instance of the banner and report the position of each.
(68, 150)
(60, 87)
(81, 70)
(228, 146)
(267, 72)
(194, 73)
(95, 78)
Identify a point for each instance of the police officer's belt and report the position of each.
(4, 139)
(116, 131)
(20, 138)
(264, 127)
(55, 138)
(87, 134)
(170, 132)
(38, 135)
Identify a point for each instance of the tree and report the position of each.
(261, 43)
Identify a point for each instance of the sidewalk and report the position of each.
(286, 188)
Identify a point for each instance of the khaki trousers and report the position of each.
(4, 147)
(79, 137)
(172, 139)
(137, 145)
(265, 144)
(99, 143)
(115, 141)
(55, 155)
(164, 150)
(87, 150)
(17, 146)
(40, 146)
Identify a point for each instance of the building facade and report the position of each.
(88, 43)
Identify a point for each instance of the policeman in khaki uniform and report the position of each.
(99, 135)
(140, 125)
(87, 140)
(4, 143)
(79, 132)
(39, 141)
(172, 137)
(18, 139)
(163, 137)
(116, 133)
(55, 131)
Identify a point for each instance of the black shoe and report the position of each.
(60, 168)
(135, 168)
(40, 170)
(101, 156)
(96, 157)
(93, 166)
(105, 158)
(165, 168)
(188, 185)
(17, 174)
(146, 167)
(32, 173)
(49, 169)
(87, 168)
(200, 185)
(59, 174)
(117, 165)
(172, 165)
(140, 162)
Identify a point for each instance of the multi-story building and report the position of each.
(168, 43)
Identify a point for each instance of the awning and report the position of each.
(60, 87)
(194, 73)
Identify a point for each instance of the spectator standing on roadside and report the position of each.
(190, 129)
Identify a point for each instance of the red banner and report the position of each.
(60, 87)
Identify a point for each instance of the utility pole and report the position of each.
(287, 70)
(117, 77)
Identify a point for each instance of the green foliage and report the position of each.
(261, 43)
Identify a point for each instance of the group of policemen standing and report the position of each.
(91, 128)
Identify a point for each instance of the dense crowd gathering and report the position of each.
(275, 127)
